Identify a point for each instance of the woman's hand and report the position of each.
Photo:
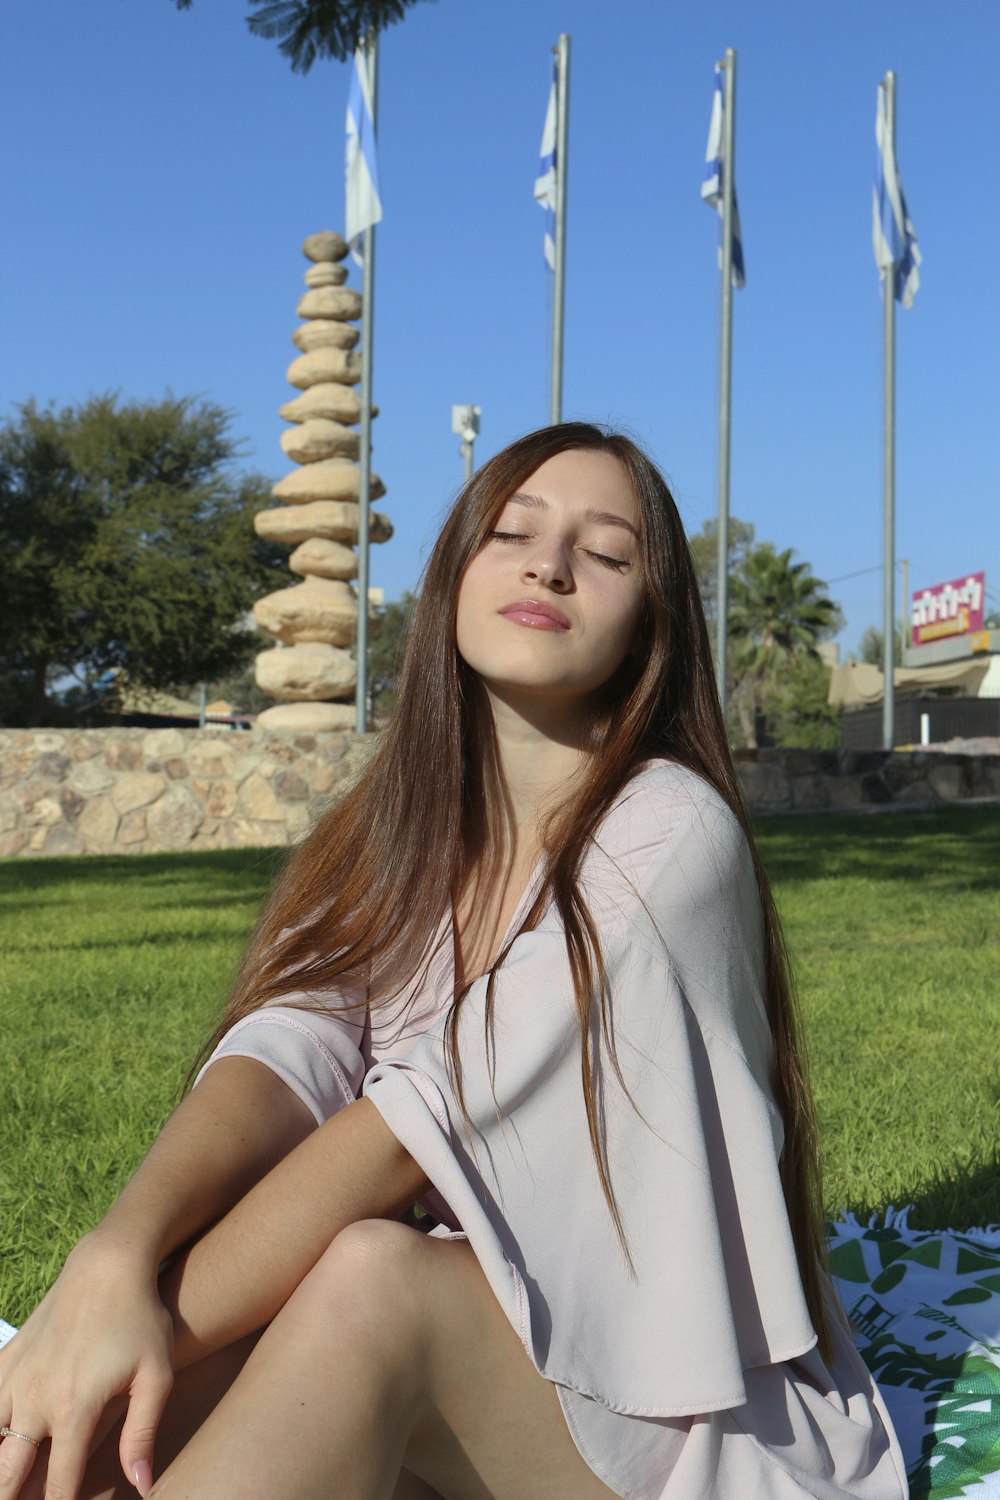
(102, 1335)
(101, 1332)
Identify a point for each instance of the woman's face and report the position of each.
(550, 605)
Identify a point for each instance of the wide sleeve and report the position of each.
(318, 1054)
(713, 1286)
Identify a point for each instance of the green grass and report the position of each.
(894, 926)
(112, 974)
(113, 970)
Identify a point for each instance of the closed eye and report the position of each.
(618, 564)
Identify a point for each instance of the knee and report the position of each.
(377, 1261)
(376, 1242)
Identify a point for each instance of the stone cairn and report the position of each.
(311, 671)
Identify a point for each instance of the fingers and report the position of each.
(17, 1456)
(150, 1389)
(67, 1459)
(67, 1462)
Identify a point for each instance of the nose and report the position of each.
(549, 564)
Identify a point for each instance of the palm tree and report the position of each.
(778, 612)
(308, 29)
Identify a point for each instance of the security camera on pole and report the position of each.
(465, 424)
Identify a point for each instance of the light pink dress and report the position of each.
(696, 1378)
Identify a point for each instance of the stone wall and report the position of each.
(777, 781)
(136, 791)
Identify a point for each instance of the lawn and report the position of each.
(113, 970)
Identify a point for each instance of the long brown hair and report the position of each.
(365, 892)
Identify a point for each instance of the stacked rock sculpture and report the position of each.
(311, 670)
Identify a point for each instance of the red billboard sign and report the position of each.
(948, 609)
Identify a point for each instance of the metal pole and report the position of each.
(889, 469)
(904, 608)
(725, 376)
(365, 463)
(562, 164)
(465, 422)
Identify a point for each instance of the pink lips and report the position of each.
(538, 616)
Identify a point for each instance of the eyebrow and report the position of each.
(602, 517)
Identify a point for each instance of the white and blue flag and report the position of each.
(545, 182)
(364, 206)
(711, 187)
(894, 238)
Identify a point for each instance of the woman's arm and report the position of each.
(227, 1134)
(102, 1330)
(242, 1271)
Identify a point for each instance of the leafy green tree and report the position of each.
(308, 29)
(778, 611)
(385, 649)
(129, 547)
(797, 711)
(871, 650)
(704, 546)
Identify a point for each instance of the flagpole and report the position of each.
(365, 456)
(562, 163)
(725, 376)
(889, 456)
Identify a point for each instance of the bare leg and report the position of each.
(197, 1391)
(392, 1354)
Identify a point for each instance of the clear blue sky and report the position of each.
(161, 170)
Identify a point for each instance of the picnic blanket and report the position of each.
(924, 1306)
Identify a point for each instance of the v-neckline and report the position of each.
(527, 895)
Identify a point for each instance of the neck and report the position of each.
(541, 751)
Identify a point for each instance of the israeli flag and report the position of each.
(364, 206)
(545, 182)
(894, 238)
(711, 187)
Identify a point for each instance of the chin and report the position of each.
(570, 693)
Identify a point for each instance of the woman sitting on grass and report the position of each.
(529, 975)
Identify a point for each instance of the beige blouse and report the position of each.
(695, 1372)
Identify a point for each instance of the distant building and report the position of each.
(948, 686)
(142, 709)
(938, 702)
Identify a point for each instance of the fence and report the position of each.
(950, 718)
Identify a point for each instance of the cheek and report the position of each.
(628, 620)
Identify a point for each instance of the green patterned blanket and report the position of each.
(925, 1310)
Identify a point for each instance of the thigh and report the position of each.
(491, 1427)
(196, 1393)
(412, 1323)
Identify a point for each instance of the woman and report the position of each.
(528, 973)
